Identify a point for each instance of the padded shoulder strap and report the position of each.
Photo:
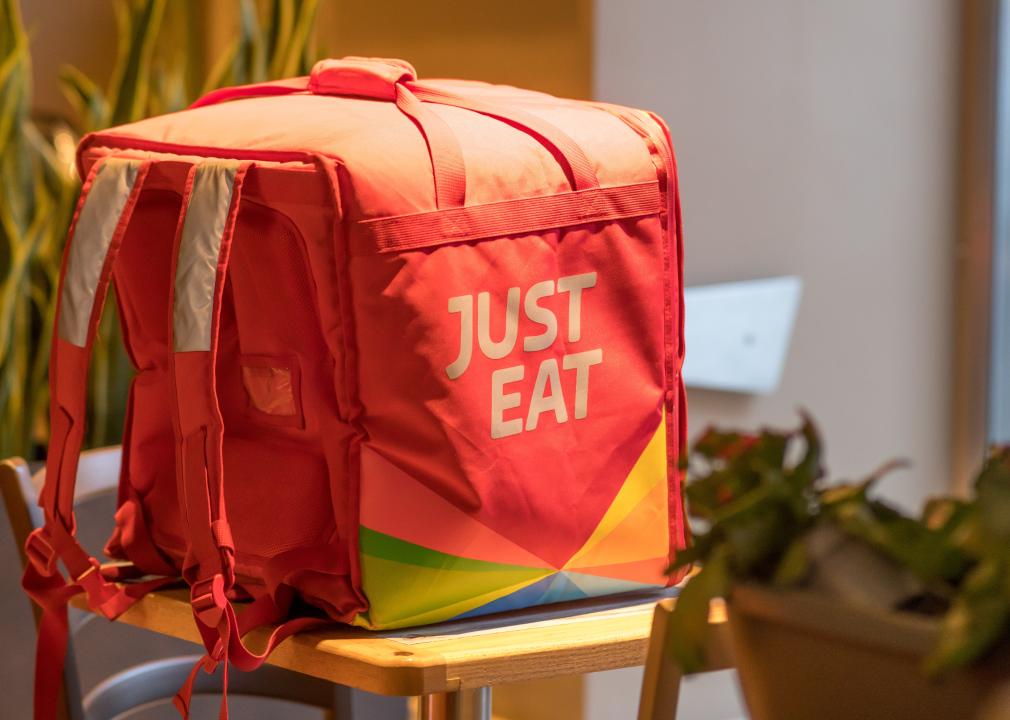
(108, 198)
(203, 246)
(106, 204)
(202, 253)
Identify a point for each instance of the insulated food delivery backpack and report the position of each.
(405, 350)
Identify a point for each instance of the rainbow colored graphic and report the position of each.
(412, 578)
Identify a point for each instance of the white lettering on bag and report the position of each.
(541, 402)
(464, 306)
(548, 395)
(502, 401)
(497, 350)
(574, 285)
(540, 315)
(581, 362)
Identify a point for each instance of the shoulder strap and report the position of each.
(202, 251)
(202, 254)
(106, 204)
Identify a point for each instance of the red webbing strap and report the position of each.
(517, 216)
(211, 201)
(228, 648)
(443, 149)
(202, 248)
(210, 557)
(53, 595)
(568, 153)
(203, 243)
(108, 198)
(239, 92)
(394, 80)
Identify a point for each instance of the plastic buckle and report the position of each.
(208, 600)
(103, 596)
(40, 552)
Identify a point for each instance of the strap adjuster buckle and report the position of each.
(40, 551)
(208, 600)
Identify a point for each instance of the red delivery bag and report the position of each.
(406, 350)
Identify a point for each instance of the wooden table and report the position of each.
(452, 666)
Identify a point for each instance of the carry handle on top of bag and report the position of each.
(395, 80)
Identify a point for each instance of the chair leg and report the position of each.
(351, 704)
(470, 704)
(660, 701)
(661, 681)
(343, 707)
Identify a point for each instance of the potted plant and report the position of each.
(840, 605)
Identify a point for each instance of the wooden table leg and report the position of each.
(472, 704)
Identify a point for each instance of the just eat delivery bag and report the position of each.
(406, 350)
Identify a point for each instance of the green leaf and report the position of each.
(687, 634)
(301, 34)
(251, 58)
(978, 618)
(222, 70)
(281, 22)
(139, 22)
(86, 98)
(808, 471)
(992, 489)
(946, 514)
(793, 565)
(928, 553)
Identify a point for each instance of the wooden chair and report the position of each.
(157, 680)
(661, 682)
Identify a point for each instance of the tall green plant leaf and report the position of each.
(159, 68)
(139, 21)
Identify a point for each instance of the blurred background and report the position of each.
(851, 144)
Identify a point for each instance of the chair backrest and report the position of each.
(98, 477)
(95, 493)
(97, 473)
(661, 682)
(18, 492)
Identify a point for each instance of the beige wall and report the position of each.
(817, 138)
(80, 33)
(530, 43)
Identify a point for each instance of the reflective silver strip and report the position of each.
(110, 189)
(199, 248)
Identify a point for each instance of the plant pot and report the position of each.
(802, 655)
